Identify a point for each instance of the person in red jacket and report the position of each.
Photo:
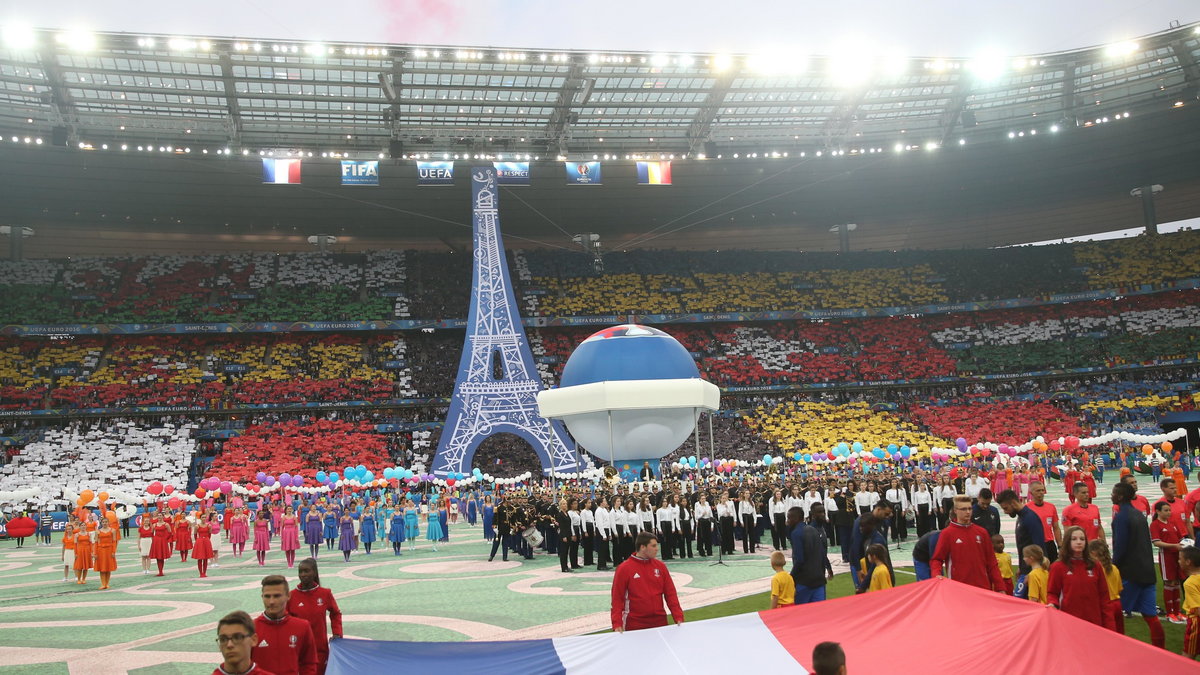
(236, 638)
(285, 643)
(311, 602)
(1078, 584)
(640, 586)
(965, 550)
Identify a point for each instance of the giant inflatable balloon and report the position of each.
(634, 382)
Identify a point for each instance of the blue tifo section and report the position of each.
(528, 657)
(655, 319)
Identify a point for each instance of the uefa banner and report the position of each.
(512, 173)
(360, 172)
(654, 173)
(435, 173)
(583, 173)
(281, 171)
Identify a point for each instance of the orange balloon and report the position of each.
(87, 496)
(1167, 446)
(1147, 448)
(102, 497)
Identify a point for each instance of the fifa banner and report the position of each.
(654, 173)
(583, 173)
(281, 171)
(512, 173)
(435, 173)
(364, 172)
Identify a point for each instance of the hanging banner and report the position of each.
(512, 173)
(356, 172)
(281, 171)
(654, 173)
(583, 173)
(435, 173)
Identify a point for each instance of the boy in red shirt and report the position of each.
(1165, 534)
(1179, 507)
(640, 586)
(285, 643)
(236, 637)
(965, 550)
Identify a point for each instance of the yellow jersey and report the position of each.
(881, 578)
(784, 588)
(1191, 594)
(1037, 582)
(1005, 563)
(1114, 582)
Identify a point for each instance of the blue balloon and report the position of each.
(858, 446)
(842, 446)
(322, 476)
(368, 477)
(892, 448)
(878, 452)
(807, 457)
(334, 477)
(767, 460)
(905, 451)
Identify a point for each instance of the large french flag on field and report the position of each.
(281, 171)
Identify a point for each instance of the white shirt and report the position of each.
(589, 518)
(726, 510)
(665, 515)
(604, 527)
(922, 497)
(941, 492)
(780, 507)
(811, 497)
(703, 511)
(576, 523)
(745, 508)
(866, 500)
(972, 486)
(898, 497)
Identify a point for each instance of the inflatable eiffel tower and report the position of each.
(497, 384)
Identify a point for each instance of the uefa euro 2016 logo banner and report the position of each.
(583, 173)
(364, 172)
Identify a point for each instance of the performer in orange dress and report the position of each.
(106, 552)
(203, 550)
(68, 549)
(83, 554)
(183, 536)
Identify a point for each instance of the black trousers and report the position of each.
(704, 537)
(602, 555)
(899, 526)
(667, 545)
(498, 542)
(685, 539)
(573, 553)
(749, 540)
(924, 520)
(618, 545)
(943, 518)
(564, 551)
(727, 534)
(589, 538)
(844, 534)
(779, 536)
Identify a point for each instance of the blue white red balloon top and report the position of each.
(628, 352)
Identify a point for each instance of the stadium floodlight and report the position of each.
(852, 67)
(660, 60)
(181, 44)
(18, 36)
(894, 63)
(988, 65)
(79, 40)
(721, 62)
(1120, 49)
(778, 62)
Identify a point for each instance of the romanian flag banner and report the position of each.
(654, 173)
(281, 171)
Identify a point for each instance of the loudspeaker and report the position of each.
(395, 149)
(710, 149)
(58, 136)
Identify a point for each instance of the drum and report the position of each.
(532, 536)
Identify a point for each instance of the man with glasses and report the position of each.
(236, 638)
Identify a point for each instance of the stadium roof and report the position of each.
(890, 154)
(111, 87)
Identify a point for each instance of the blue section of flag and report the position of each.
(355, 172)
(435, 173)
(583, 173)
(281, 171)
(354, 657)
(512, 173)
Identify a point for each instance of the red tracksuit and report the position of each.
(254, 670)
(312, 605)
(1080, 590)
(285, 646)
(639, 588)
(966, 552)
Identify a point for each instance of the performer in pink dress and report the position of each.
(262, 534)
(289, 535)
(239, 531)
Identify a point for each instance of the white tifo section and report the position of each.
(735, 644)
(32, 272)
(771, 353)
(122, 457)
(1150, 321)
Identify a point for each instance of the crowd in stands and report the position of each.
(323, 286)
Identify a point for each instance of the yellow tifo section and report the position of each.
(760, 291)
(821, 426)
(1140, 260)
(142, 363)
(318, 361)
(1139, 402)
(22, 370)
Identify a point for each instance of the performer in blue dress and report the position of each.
(443, 515)
(367, 529)
(346, 535)
(472, 508)
(489, 514)
(313, 530)
(331, 528)
(411, 525)
(433, 530)
(396, 530)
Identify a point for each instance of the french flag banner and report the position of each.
(281, 171)
(694, 647)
